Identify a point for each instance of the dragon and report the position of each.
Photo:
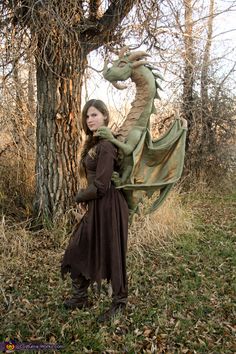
(147, 166)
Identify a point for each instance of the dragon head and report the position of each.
(122, 68)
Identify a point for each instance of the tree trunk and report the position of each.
(58, 131)
(207, 134)
(188, 80)
(20, 118)
(31, 89)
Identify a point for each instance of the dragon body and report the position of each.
(147, 165)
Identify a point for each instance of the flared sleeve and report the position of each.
(106, 156)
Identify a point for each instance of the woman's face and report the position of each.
(95, 119)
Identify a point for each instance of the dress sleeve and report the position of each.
(105, 166)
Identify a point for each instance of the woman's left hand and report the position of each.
(82, 207)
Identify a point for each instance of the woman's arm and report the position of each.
(106, 155)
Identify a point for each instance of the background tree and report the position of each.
(188, 75)
(196, 65)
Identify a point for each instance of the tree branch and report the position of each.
(108, 23)
(93, 9)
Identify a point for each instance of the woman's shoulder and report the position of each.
(107, 146)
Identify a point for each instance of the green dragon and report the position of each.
(148, 166)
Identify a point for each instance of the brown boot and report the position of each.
(79, 298)
(76, 303)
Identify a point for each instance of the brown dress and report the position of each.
(97, 249)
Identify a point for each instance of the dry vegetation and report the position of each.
(181, 266)
(17, 179)
(161, 227)
(180, 296)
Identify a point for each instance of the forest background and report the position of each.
(181, 258)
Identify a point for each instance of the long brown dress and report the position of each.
(97, 249)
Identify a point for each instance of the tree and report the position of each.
(60, 35)
(197, 77)
(189, 58)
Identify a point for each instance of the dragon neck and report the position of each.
(143, 105)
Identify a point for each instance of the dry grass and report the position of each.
(161, 227)
(20, 247)
(17, 178)
(180, 287)
(156, 229)
(16, 243)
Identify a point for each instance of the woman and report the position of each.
(97, 249)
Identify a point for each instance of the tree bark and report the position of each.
(31, 89)
(188, 80)
(207, 136)
(20, 118)
(58, 131)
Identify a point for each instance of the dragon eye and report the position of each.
(122, 64)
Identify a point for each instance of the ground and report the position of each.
(181, 294)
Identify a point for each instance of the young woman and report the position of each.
(97, 249)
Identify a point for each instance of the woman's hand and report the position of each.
(82, 207)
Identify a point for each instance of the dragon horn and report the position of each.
(122, 51)
(137, 64)
(137, 55)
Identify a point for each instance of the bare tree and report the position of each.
(207, 136)
(196, 77)
(189, 72)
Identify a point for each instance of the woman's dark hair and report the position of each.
(100, 106)
(91, 140)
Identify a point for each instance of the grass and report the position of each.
(181, 286)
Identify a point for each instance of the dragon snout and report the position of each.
(107, 74)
